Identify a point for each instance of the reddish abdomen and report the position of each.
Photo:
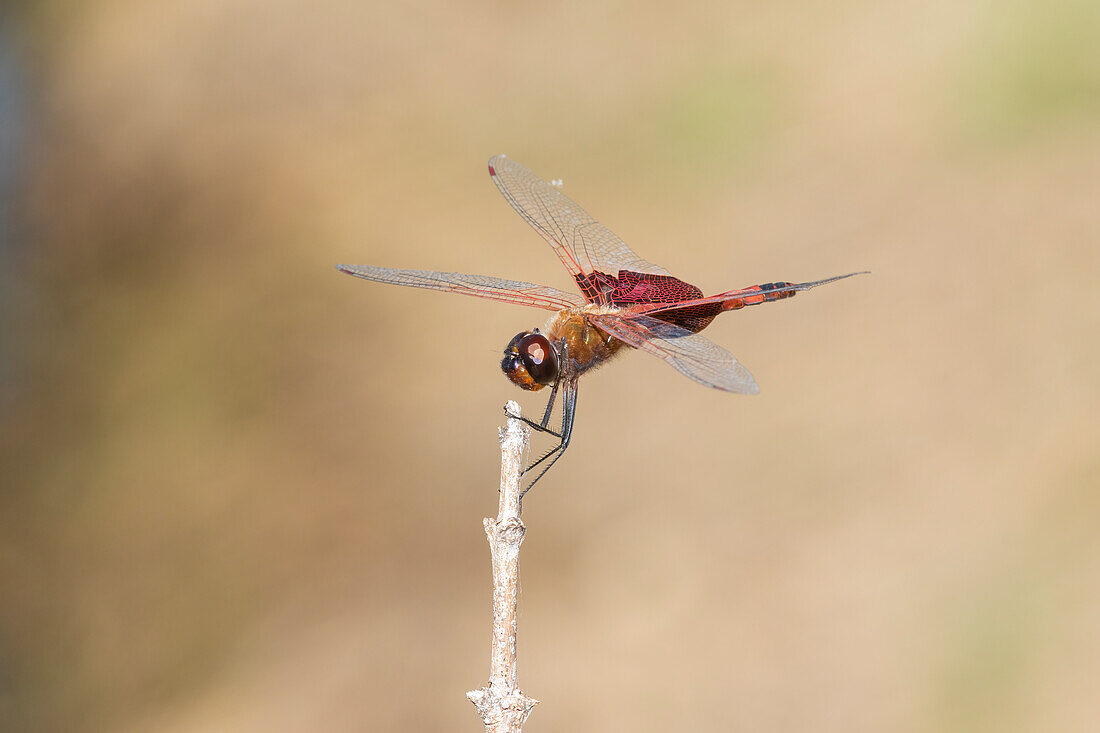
(766, 295)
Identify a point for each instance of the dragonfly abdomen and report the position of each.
(757, 294)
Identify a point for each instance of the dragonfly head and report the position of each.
(530, 361)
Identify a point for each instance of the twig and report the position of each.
(502, 705)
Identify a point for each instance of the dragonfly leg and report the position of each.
(569, 409)
(540, 426)
(550, 404)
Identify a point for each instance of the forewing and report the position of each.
(694, 356)
(582, 244)
(481, 286)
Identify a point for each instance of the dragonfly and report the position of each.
(624, 303)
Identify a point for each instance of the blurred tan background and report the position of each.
(243, 492)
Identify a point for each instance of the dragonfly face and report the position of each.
(530, 361)
(624, 301)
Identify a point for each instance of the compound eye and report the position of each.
(513, 345)
(539, 357)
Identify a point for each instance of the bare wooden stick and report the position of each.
(502, 705)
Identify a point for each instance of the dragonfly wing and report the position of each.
(490, 288)
(694, 356)
(582, 244)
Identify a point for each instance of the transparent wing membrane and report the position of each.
(582, 244)
(480, 286)
(694, 356)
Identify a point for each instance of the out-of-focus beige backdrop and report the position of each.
(243, 492)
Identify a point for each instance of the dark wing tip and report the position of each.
(345, 268)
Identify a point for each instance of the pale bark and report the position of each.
(502, 705)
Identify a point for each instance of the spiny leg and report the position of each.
(541, 427)
(550, 404)
(569, 410)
